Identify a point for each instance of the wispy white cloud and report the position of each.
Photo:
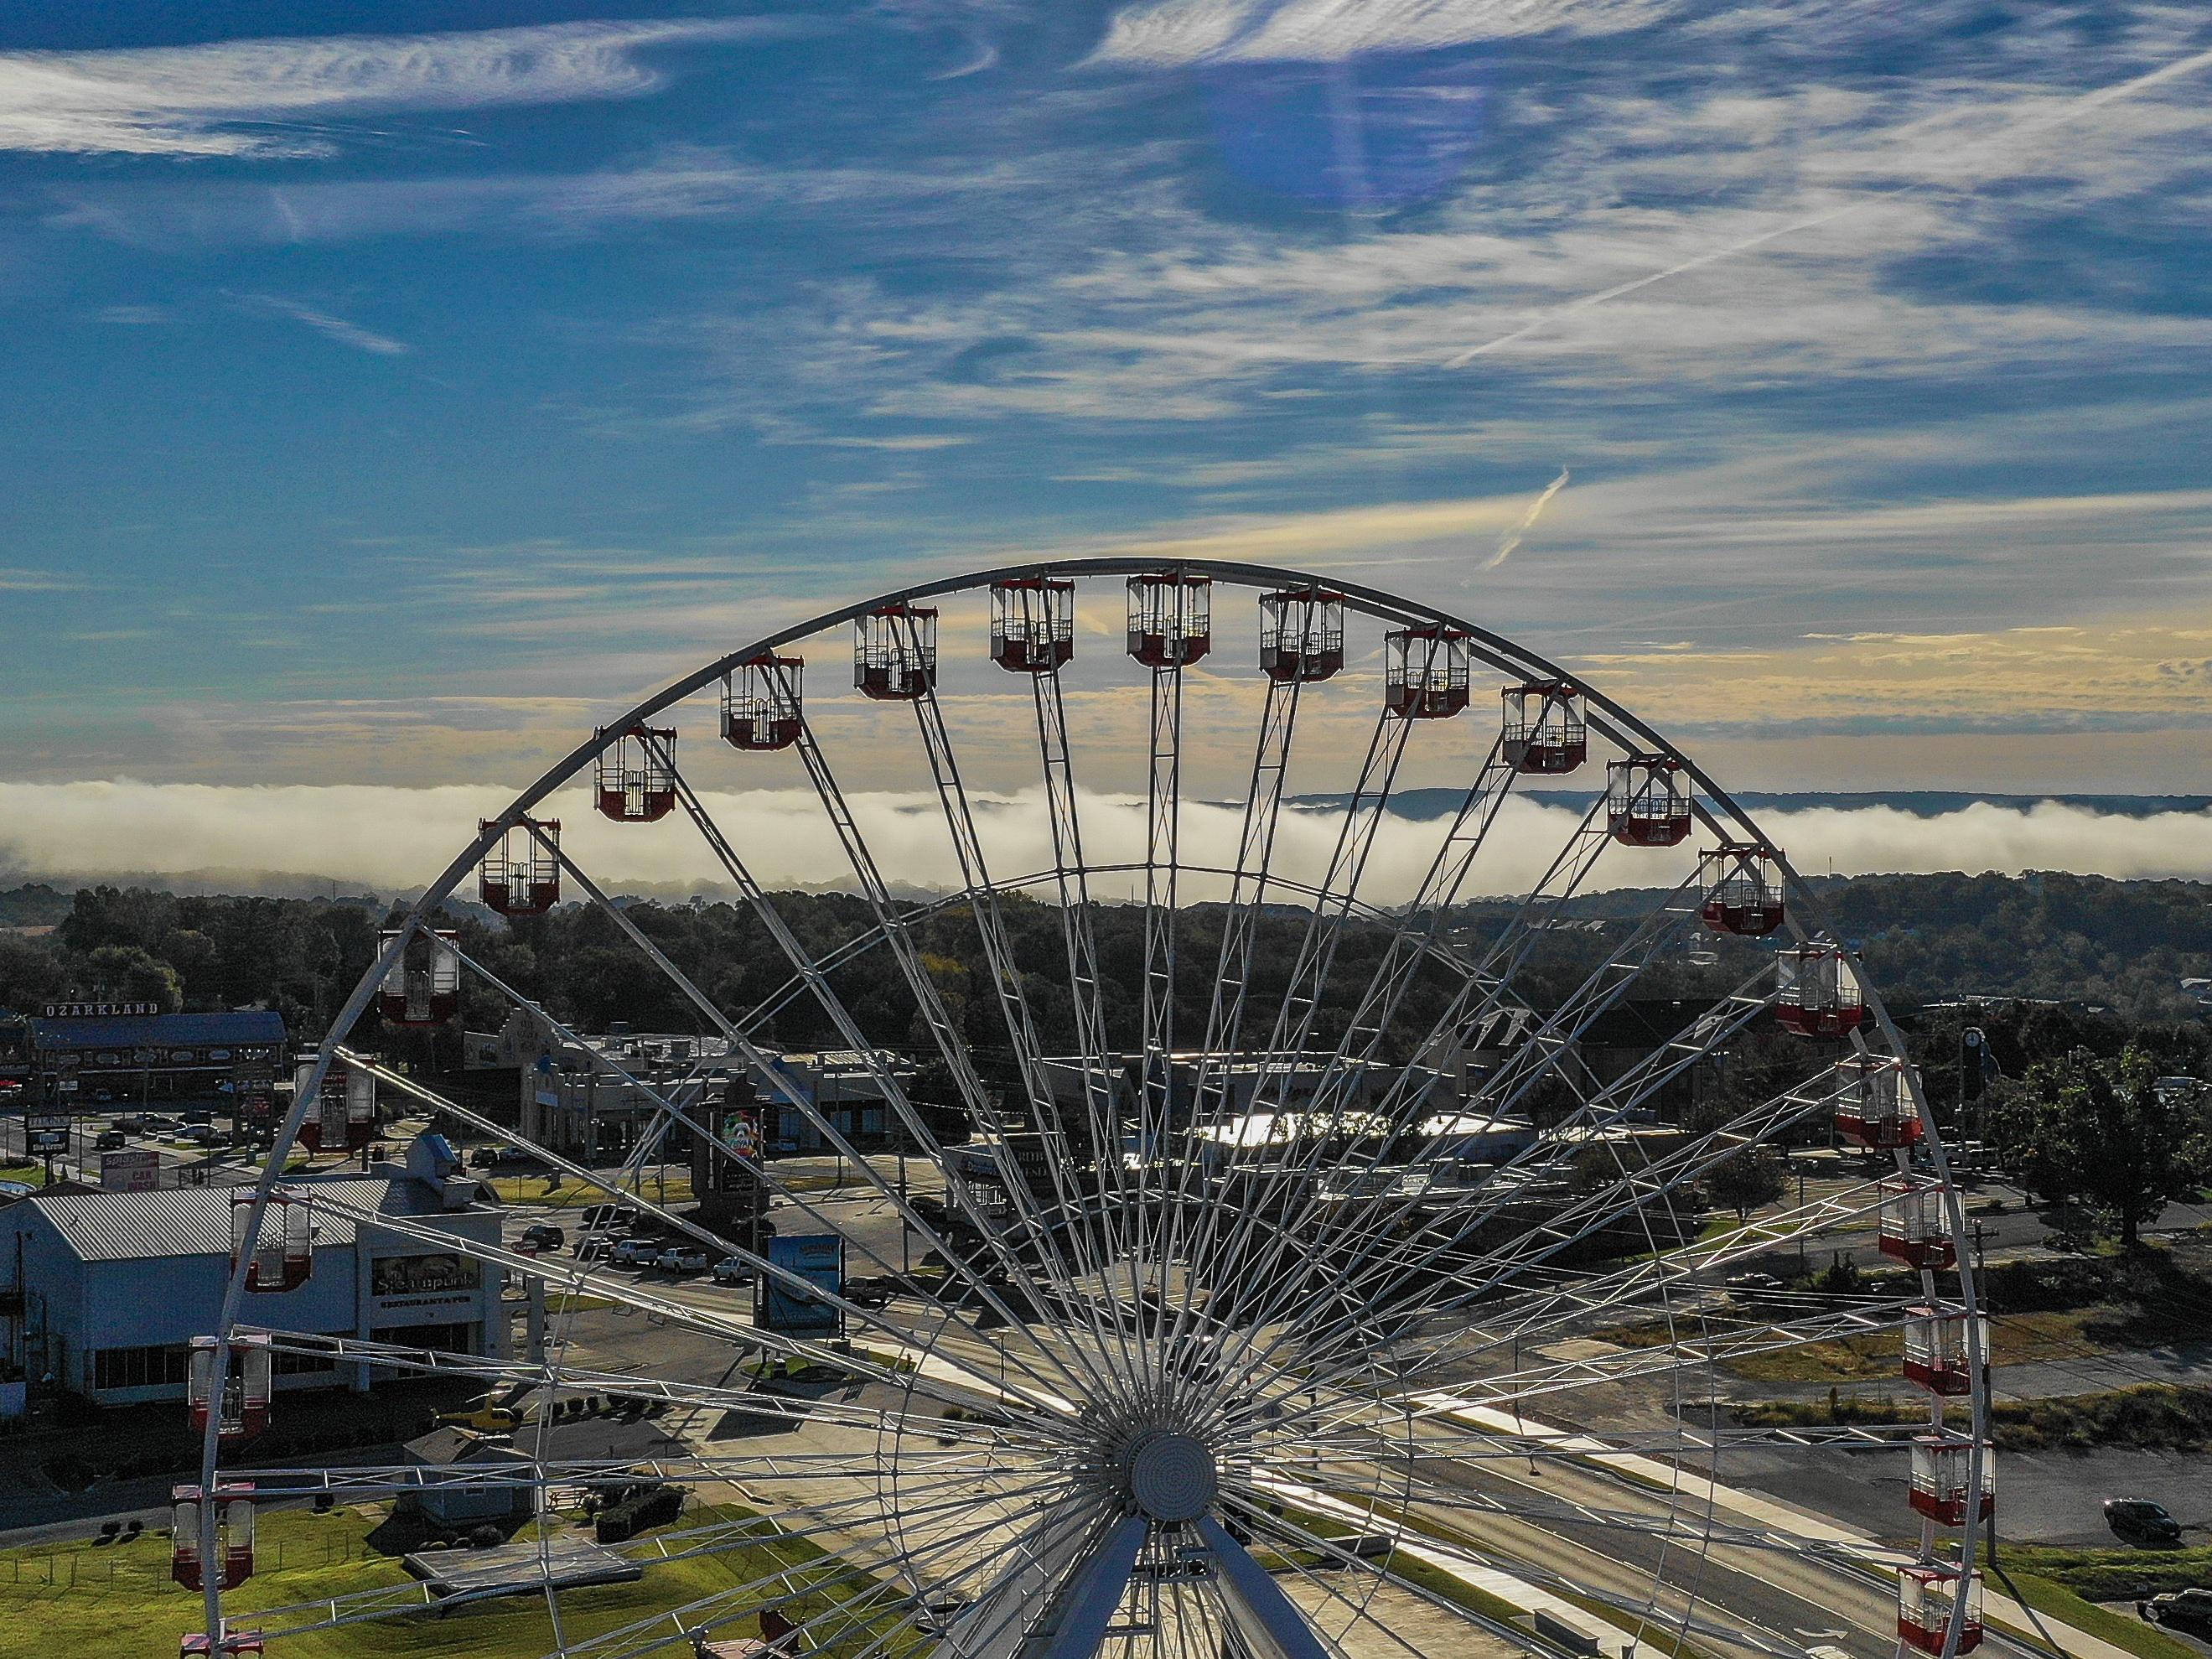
(1170, 34)
(272, 97)
(336, 328)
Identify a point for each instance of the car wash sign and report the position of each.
(780, 1305)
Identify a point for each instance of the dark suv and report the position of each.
(2139, 1521)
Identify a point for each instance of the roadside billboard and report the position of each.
(131, 1172)
(818, 1258)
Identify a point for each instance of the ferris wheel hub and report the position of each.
(1169, 1475)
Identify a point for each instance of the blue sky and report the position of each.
(391, 386)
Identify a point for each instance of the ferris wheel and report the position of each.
(1259, 1243)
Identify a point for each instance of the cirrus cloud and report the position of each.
(269, 97)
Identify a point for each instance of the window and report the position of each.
(444, 1339)
(304, 1364)
(140, 1367)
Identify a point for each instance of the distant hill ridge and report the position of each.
(1918, 803)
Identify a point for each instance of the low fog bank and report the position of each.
(301, 841)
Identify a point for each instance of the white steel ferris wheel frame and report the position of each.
(1093, 1568)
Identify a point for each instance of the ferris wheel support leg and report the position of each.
(1268, 1620)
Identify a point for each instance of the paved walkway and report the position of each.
(2000, 1610)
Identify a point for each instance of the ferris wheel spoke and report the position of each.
(1255, 842)
(953, 1051)
(886, 1080)
(1364, 814)
(1475, 999)
(1576, 1300)
(1632, 1193)
(1078, 939)
(1062, 1157)
(858, 1362)
(869, 1595)
(1009, 1260)
(1608, 1110)
(579, 1275)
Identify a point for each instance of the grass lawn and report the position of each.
(2154, 1414)
(31, 1175)
(2014, 1340)
(118, 1603)
(2122, 1630)
(2112, 1575)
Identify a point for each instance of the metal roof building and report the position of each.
(244, 1027)
(114, 1285)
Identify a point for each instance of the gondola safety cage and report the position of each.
(520, 875)
(423, 987)
(1171, 618)
(1544, 734)
(344, 1115)
(764, 702)
(1916, 1225)
(283, 1247)
(233, 1536)
(1936, 1340)
(635, 778)
(1817, 991)
(1647, 801)
(1301, 634)
(239, 1401)
(1927, 1597)
(895, 653)
(1941, 1467)
(1032, 623)
(1876, 1104)
(1425, 671)
(1743, 886)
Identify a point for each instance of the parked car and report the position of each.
(109, 1141)
(155, 1123)
(634, 1252)
(682, 1259)
(2189, 1610)
(602, 1216)
(485, 1157)
(131, 1123)
(544, 1235)
(593, 1249)
(195, 1117)
(732, 1270)
(2139, 1521)
(870, 1290)
(201, 1135)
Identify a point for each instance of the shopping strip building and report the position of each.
(103, 1291)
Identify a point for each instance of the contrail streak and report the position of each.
(1512, 542)
(2076, 106)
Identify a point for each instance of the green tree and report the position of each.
(1756, 1177)
(128, 973)
(2110, 1134)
